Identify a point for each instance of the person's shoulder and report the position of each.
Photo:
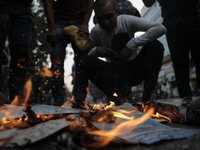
(96, 29)
(124, 17)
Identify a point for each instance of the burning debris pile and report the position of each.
(83, 128)
(95, 126)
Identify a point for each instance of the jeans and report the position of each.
(120, 75)
(183, 36)
(19, 37)
(57, 59)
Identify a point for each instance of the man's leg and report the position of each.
(193, 36)
(57, 62)
(19, 40)
(101, 74)
(151, 55)
(179, 49)
(81, 79)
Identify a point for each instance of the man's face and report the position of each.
(106, 17)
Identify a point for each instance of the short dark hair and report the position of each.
(102, 3)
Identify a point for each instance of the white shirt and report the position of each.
(127, 24)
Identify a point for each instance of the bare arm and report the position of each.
(52, 35)
(88, 12)
(148, 3)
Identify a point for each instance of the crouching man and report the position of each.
(113, 38)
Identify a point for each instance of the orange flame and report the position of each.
(19, 61)
(123, 128)
(115, 94)
(46, 72)
(27, 87)
(128, 112)
(161, 116)
(120, 115)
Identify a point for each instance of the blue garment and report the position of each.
(19, 37)
(57, 59)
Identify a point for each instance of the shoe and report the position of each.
(186, 101)
(77, 104)
(57, 103)
(146, 98)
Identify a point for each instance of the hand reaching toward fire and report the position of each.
(105, 51)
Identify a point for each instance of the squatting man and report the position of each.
(113, 39)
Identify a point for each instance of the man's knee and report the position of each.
(90, 61)
(157, 46)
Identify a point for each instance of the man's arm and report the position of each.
(88, 12)
(4, 18)
(52, 35)
(152, 32)
(148, 3)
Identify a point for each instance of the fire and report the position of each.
(27, 87)
(46, 72)
(128, 112)
(161, 116)
(101, 106)
(115, 94)
(19, 61)
(120, 115)
(16, 101)
(106, 136)
(57, 73)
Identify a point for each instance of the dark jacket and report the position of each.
(23, 5)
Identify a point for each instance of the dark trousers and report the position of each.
(37, 96)
(120, 75)
(19, 37)
(183, 36)
(57, 59)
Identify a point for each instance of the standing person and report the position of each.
(37, 87)
(16, 22)
(67, 12)
(113, 38)
(182, 22)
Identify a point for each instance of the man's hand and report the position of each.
(132, 9)
(84, 28)
(104, 51)
(5, 23)
(52, 36)
(126, 53)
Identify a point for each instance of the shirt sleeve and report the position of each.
(3, 8)
(152, 31)
(93, 37)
